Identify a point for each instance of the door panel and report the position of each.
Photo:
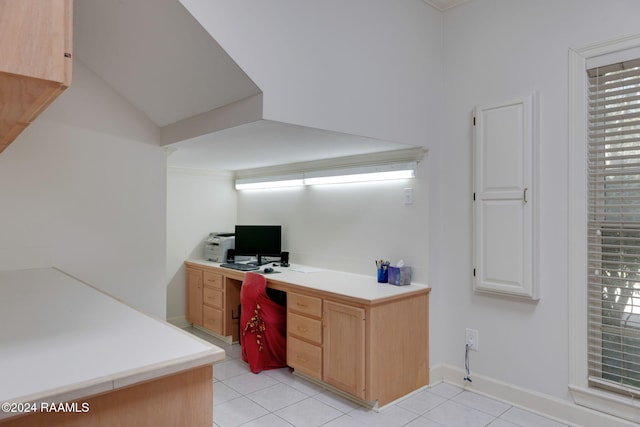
(503, 198)
(343, 351)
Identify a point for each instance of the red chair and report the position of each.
(263, 326)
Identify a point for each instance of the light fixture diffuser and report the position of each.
(269, 182)
(362, 174)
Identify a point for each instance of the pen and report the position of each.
(382, 264)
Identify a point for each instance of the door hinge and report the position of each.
(474, 120)
(474, 197)
(474, 272)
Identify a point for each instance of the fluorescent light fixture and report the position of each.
(362, 174)
(270, 182)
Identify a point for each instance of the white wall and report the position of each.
(362, 67)
(83, 190)
(198, 203)
(346, 226)
(323, 65)
(497, 50)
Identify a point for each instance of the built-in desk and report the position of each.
(345, 330)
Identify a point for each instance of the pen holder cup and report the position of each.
(400, 276)
(383, 275)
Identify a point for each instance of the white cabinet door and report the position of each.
(503, 198)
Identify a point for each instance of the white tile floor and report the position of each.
(277, 398)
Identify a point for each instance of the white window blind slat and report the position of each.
(611, 71)
(612, 94)
(611, 128)
(614, 227)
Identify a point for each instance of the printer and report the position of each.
(217, 245)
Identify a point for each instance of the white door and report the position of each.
(503, 198)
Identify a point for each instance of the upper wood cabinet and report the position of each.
(35, 60)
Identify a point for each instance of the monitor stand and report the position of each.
(258, 261)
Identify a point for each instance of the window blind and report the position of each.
(614, 227)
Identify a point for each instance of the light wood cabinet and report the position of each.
(304, 334)
(194, 296)
(344, 348)
(213, 300)
(375, 350)
(326, 341)
(35, 60)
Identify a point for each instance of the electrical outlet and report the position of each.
(472, 339)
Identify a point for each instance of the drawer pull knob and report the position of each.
(302, 359)
(302, 328)
(299, 304)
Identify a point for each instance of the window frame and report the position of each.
(584, 395)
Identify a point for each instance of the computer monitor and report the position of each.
(259, 241)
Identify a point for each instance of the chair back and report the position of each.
(263, 326)
(254, 288)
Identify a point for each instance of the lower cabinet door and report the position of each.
(304, 357)
(344, 347)
(194, 296)
(213, 319)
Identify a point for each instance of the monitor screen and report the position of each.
(264, 240)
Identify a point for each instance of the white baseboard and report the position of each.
(563, 411)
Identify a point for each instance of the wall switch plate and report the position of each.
(472, 339)
(408, 196)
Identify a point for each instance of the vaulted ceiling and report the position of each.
(159, 58)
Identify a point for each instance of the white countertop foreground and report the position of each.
(359, 286)
(61, 339)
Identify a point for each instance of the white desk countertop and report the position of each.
(61, 339)
(359, 286)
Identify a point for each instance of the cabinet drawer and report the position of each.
(303, 304)
(213, 319)
(305, 357)
(213, 297)
(304, 327)
(213, 279)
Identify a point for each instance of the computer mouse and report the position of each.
(268, 270)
